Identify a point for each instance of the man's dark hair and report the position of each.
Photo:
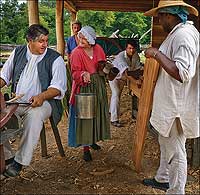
(34, 31)
(77, 22)
(131, 42)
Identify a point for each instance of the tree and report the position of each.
(14, 21)
(129, 24)
(101, 21)
(47, 19)
(47, 12)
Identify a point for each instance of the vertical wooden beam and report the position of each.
(59, 27)
(33, 12)
(73, 18)
(151, 69)
(158, 34)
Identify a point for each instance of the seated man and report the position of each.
(40, 74)
(127, 60)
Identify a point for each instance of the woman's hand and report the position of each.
(86, 77)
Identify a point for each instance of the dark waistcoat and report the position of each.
(44, 68)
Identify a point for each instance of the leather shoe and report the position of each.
(9, 161)
(154, 184)
(13, 169)
(116, 124)
(87, 156)
(95, 147)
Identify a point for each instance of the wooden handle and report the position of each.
(15, 98)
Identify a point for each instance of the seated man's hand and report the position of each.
(37, 100)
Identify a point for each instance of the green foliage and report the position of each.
(14, 22)
(99, 20)
(105, 23)
(130, 24)
(47, 19)
(67, 29)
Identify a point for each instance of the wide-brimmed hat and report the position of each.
(168, 3)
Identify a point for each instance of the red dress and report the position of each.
(81, 62)
(88, 131)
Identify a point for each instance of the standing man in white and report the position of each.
(175, 111)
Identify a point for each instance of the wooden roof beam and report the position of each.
(110, 8)
(70, 6)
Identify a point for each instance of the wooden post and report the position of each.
(2, 159)
(33, 12)
(151, 68)
(73, 18)
(59, 27)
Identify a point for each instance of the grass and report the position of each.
(6, 89)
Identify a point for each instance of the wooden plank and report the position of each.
(69, 5)
(110, 5)
(135, 87)
(151, 69)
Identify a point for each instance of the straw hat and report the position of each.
(168, 3)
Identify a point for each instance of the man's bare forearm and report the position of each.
(50, 93)
(38, 100)
(168, 65)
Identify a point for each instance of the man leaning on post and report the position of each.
(175, 111)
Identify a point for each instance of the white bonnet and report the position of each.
(89, 33)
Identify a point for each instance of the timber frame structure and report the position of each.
(143, 91)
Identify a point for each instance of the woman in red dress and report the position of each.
(86, 79)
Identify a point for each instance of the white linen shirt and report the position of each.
(123, 62)
(172, 98)
(29, 83)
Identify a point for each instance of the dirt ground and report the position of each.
(72, 175)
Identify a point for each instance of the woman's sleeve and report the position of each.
(77, 66)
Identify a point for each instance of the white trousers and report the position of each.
(173, 160)
(116, 87)
(32, 122)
